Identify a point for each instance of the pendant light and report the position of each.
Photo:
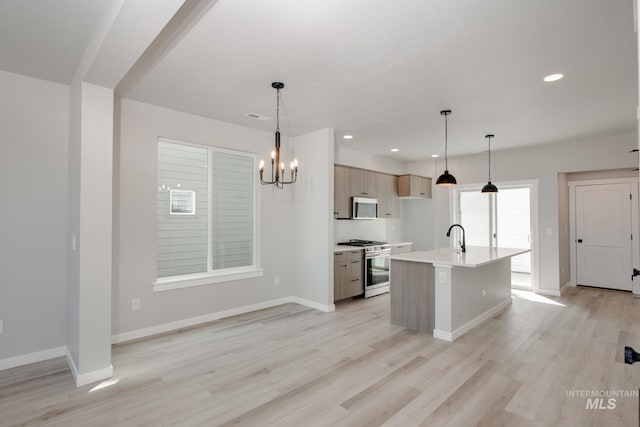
(446, 179)
(489, 188)
(277, 176)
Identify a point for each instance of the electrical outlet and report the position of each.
(1, 326)
(135, 304)
(276, 280)
(442, 277)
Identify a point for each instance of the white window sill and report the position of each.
(191, 280)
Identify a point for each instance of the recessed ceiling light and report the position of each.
(553, 77)
(393, 150)
(435, 155)
(348, 137)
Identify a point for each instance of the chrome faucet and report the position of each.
(463, 245)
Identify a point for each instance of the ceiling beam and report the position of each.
(125, 30)
(180, 24)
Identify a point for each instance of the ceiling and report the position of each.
(46, 39)
(376, 69)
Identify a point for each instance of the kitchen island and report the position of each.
(446, 293)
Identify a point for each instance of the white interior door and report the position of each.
(603, 235)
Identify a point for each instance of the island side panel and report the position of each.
(412, 295)
(468, 301)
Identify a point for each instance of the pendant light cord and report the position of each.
(446, 159)
(489, 159)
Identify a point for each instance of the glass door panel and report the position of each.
(514, 225)
(474, 215)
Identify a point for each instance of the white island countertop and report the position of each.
(475, 256)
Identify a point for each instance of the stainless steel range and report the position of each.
(376, 267)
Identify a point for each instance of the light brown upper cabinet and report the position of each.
(388, 201)
(414, 186)
(362, 182)
(353, 182)
(341, 194)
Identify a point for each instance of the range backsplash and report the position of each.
(387, 230)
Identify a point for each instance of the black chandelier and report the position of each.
(277, 172)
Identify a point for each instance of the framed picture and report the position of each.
(182, 202)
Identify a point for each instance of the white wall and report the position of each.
(419, 215)
(564, 255)
(313, 219)
(140, 126)
(542, 162)
(33, 219)
(357, 159)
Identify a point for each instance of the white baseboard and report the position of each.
(565, 286)
(185, 323)
(443, 335)
(452, 336)
(87, 377)
(101, 374)
(27, 359)
(549, 292)
(313, 304)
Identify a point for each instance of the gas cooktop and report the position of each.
(362, 243)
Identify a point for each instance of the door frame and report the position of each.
(532, 184)
(635, 244)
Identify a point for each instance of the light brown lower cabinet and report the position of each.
(347, 274)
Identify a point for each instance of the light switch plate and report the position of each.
(442, 277)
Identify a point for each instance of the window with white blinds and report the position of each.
(205, 211)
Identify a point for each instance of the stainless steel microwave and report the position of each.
(364, 208)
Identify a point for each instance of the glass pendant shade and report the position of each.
(446, 179)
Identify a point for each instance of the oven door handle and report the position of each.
(377, 254)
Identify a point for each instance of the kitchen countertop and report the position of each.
(475, 256)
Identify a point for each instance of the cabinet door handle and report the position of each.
(355, 280)
(354, 262)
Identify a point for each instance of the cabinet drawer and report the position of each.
(347, 255)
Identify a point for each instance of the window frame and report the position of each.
(219, 275)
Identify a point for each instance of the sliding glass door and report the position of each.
(498, 220)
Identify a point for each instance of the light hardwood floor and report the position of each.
(293, 366)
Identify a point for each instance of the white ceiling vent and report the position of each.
(258, 117)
